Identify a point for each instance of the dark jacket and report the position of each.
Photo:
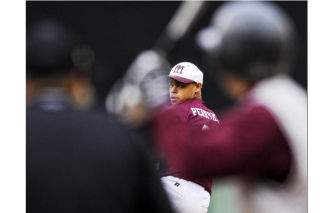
(86, 162)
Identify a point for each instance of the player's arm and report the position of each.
(244, 144)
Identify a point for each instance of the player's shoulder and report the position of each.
(186, 105)
(199, 110)
(178, 112)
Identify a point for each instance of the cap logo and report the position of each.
(178, 69)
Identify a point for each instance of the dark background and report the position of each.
(119, 31)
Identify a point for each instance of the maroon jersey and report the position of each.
(249, 142)
(194, 114)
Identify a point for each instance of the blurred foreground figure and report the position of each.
(78, 161)
(263, 140)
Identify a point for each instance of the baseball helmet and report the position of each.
(49, 47)
(250, 39)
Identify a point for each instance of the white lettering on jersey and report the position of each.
(203, 113)
(194, 112)
(199, 111)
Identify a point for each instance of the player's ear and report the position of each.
(199, 86)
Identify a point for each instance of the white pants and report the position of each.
(186, 196)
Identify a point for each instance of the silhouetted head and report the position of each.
(253, 40)
(49, 47)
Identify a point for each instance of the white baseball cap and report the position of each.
(186, 72)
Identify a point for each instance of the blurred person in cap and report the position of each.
(263, 139)
(78, 161)
(187, 193)
(51, 59)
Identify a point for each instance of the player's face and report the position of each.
(180, 92)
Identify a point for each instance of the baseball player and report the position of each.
(264, 138)
(188, 194)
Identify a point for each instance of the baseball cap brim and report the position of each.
(181, 79)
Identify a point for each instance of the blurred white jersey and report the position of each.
(287, 102)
